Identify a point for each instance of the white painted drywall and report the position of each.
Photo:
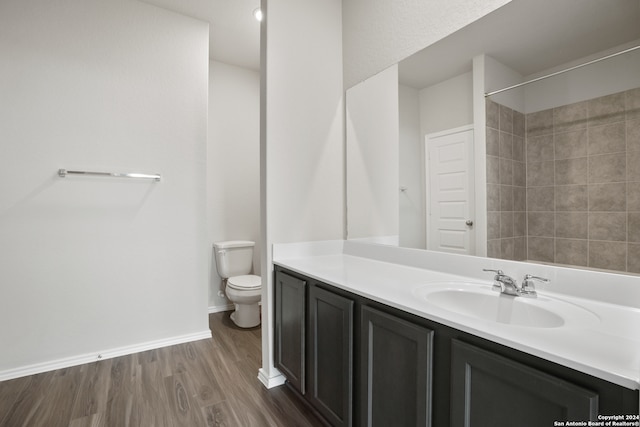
(447, 105)
(480, 153)
(94, 265)
(373, 182)
(302, 135)
(499, 76)
(373, 133)
(233, 164)
(411, 156)
(380, 33)
(603, 78)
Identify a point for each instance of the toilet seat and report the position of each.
(248, 282)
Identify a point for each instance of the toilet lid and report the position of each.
(248, 282)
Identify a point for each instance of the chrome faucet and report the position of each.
(503, 283)
(509, 286)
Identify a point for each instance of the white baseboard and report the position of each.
(67, 362)
(270, 382)
(219, 308)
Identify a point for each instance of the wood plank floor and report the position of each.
(210, 382)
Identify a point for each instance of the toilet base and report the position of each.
(246, 315)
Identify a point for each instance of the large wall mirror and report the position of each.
(546, 171)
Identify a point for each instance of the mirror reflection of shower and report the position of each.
(563, 164)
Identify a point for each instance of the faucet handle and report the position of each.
(500, 272)
(528, 288)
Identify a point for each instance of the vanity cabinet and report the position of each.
(369, 364)
(330, 355)
(323, 333)
(491, 390)
(290, 328)
(396, 370)
(314, 345)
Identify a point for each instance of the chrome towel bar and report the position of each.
(156, 177)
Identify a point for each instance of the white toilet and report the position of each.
(234, 260)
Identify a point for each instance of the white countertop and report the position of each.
(608, 349)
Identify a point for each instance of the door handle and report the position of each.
(469, 223)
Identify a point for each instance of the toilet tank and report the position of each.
(234, 257)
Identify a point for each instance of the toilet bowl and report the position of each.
(234, 260)
(245, 292)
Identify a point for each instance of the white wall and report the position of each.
(411, 155)
(480, 153)
(302, 136)
(603, 78)
(233, 165)
(372, 131)
(381, 114)
(499, 76)
(380, 33)
(447, 105)
(105, 266)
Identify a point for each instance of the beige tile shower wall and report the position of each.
(583, 183)
(506, 179)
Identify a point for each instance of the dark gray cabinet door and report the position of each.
(290, 333)
(492, 390)
(330, 372)
(396, 371)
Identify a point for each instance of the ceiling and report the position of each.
(234, 33)
(528, 36)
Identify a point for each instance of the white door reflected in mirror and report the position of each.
(450, 196)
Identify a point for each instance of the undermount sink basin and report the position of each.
(479, 301)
